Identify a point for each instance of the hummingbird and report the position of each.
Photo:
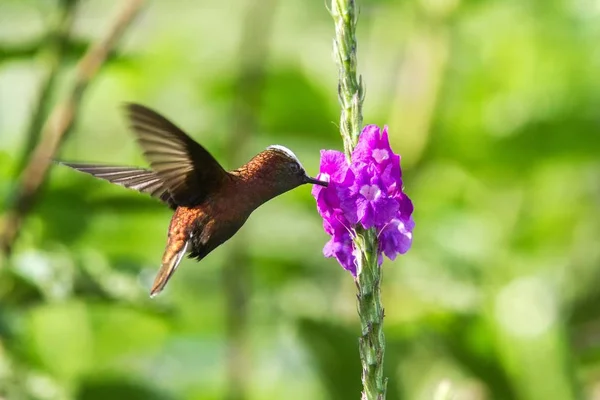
(210, 204)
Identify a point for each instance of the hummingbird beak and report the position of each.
(314, 181)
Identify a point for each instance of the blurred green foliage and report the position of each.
(494, 108)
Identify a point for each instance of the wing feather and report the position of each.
(186, 168)
(142, 180)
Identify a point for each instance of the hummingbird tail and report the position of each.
(171, 259)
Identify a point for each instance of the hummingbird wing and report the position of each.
(142, 180)
(186, 168)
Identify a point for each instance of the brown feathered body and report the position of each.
(210, 204)
(202, 228)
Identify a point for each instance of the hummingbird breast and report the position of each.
(209, 224)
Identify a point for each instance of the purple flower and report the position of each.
(340, 244)
(396, 237)
(333, 169)
(367, 200)
(373, 147)
(406, 205)
(369, 192)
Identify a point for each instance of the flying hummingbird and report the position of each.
(210, 204)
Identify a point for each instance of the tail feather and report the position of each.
(171, 260)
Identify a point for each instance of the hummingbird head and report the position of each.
(284, 169)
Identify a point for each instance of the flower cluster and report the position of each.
(368, 191)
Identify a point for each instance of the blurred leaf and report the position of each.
(60, 337)
(122, 332)
(102, 388)
(335, 353)
(67, 211)
(17, 291)
(275, 271)
(294, 105)
(469, 341)
(549, 139)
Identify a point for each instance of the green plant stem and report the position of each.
(368, 280)
(370, 309)
(350, 88)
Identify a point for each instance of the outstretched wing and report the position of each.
(139, 179)
(186, 168)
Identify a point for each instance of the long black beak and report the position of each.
(314, 181)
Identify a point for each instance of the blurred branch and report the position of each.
(59, 124)
(56, 45)
(75, 48)
(21, 50)
(253, 52)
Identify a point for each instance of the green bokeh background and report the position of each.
(495, 108)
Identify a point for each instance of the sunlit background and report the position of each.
(495, 108)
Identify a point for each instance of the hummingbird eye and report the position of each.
(295, 167)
